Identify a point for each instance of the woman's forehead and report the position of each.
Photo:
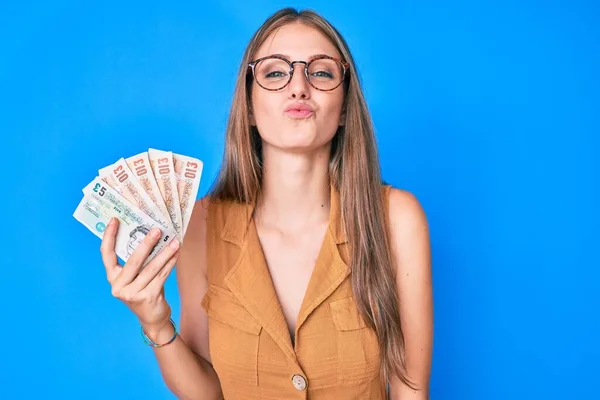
(297, 42)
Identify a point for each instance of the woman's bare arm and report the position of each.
(185, 363)
(411, 250)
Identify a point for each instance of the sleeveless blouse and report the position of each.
(334, 356)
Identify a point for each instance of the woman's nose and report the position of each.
(299, 86)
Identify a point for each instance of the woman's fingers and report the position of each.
(155, 266)
(128, 283)
(147, 288)
(157, 284)
(107, 249)
(137, 259)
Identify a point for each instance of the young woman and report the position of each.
(301, 275)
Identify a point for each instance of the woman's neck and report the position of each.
(295, 189)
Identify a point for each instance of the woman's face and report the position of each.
(288, 130)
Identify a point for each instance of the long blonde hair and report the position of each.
(354, 172)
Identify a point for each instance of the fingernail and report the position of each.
(111, 222)
(155, 232)
(174, 243)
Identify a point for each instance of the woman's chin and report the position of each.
(296, 141)
(296, 146)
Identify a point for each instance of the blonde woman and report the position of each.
(302, 275)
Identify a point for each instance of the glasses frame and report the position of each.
(345, 66)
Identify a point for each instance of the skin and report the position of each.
(291, 219)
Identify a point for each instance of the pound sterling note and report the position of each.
(101, 202)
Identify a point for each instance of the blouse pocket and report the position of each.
(233, 337)
(357, 345)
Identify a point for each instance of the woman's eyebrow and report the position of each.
(317, 56)
(286, 56)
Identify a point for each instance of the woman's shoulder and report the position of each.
(210, 211)
(400, 198)
(193, 248)
(405, 211)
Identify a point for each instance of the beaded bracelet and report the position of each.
(151, 343)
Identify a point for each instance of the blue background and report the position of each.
(489, 113)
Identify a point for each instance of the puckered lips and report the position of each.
(298, 110)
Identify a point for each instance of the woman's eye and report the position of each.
(323, 74)
(275, 74)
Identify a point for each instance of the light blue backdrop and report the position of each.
(488, 113)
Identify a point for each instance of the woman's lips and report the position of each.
(299, 114)
(298, 110)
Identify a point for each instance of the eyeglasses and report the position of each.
(275, 72)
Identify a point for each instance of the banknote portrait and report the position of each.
(135, 238)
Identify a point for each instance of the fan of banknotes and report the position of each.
(155, 188)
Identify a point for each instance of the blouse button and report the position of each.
(299, 382)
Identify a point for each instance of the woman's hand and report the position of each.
(142, 290)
